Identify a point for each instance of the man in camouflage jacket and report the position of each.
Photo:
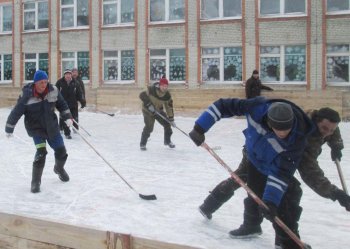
(155, 99)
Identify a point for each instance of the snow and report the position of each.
(180, 178)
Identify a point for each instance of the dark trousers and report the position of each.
(149, 120)
(74, 111)
(289, 210)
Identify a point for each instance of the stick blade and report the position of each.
(111, 114)
(148, 197)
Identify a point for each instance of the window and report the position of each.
(35, 16)
(338, 57)
(79, 60)
(291, 59)
(5, 68)
(167, 10)
(5, 18)
(341, 6)
(33, 62)
(119, 66)
(118, 12)
(168, 62)
(74, 13)
(222, 64)
(282, 7)
(220, 9)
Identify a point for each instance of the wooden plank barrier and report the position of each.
(19, 232)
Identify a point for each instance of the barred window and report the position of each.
(283, 64)
(80, 60)
(35, 16)
(167, 10)
(221, 9)
(5, 68)
(338, 57)
(5, 18)
(119, 66)
(170, 63)
(117, 12)
(282, 7)
(74, 13)
(34, 62)
(222, 64)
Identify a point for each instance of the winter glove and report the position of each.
(197, 135)
(172, 123)
(343, 199)
(83, 104)
(9, 135)
(271, 213)
(69, 122)
(151, 108)
(336, 154)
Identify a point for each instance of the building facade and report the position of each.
(125, 45)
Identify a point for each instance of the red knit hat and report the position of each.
(163, 81)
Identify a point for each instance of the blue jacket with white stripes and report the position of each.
(40, 118)
(273, 157)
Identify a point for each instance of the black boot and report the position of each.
(167, 138)
(60, 160)
(143, 142)
(246, 231)
(220, 194)
(38, 167)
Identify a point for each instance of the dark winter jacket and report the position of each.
(158, 99)
(253, 87)
(80, 83)
(71, 93)
(309, 169)
(40, 118)
(271, 156)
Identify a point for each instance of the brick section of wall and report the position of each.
(228, 34)
(193, 101)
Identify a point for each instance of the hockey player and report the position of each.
(37, 103)
(156, 98)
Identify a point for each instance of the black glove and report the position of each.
(197, 135)
(271, 213)
(82, 103)
(343, 199)
(336, 154)
(151, 108)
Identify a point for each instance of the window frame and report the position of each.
(167, 64)
(222, 65)
(2, 18)
(119, 18)
(166, 14)
(2, 67)
(337, 12)
(119, 63)
(36, 15)
(221, 13)
(75, 15)
(75, 60)
(345, 54)
(282, 56)
(282, 11)
(36, 60)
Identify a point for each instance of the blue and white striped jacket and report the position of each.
(273, 157)
(40, 118)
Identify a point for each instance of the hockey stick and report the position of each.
(144, 197)
(278, 221)
(175, 126)
(81, 127)
(341, 176)
(109, 114)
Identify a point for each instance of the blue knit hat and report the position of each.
(40, 75)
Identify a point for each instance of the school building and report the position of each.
(206, 48)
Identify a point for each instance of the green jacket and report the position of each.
(309, 169)
(158, 99)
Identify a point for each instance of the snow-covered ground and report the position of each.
(180, 178)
